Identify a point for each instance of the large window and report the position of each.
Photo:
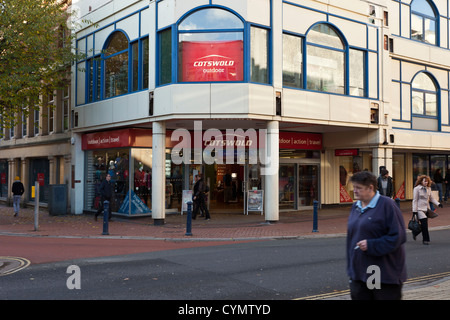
(325, 60)
(210, 47)
(320, 65)
(423, 21)
(116, 65)
(424, 101)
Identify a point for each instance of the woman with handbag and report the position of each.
(420, 205)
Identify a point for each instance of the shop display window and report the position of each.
(3, 178)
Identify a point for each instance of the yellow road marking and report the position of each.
(23, 263)
(344, 292)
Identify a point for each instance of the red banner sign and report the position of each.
(401, 192)
(212, 61)
(346, 152)
(300, 140)
(343, 195)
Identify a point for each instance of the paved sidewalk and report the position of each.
(332, 222)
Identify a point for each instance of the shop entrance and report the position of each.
(228, 184)
(298, 186)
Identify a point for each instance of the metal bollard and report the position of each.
(315, 216)
(397, 201)
(105, 217)
(189, 219)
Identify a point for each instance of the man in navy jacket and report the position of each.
(375, 243)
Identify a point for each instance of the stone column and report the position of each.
(158, 173)
(270, 172)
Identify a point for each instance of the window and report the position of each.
(165, 56)
(36, 121)
(211, 47)
(423, 21)
(259, 47)
(356, 72)
(116, 65)
(319, 62)
(66, 107)
(51, 101)
(24, 125)
(292, 61)
(424, 101)
(325, 60)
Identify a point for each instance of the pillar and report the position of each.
(270, 172)
(158, 173)
(25, 178)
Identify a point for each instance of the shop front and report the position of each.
(127, 156)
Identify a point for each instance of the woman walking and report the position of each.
(421, 198)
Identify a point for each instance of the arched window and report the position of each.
(424, 22)
(115, 55)
(325, 60)
(424, 101)
(211, 46)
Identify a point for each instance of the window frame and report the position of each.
(346, 49)
(424, 93)
(424, 17)
(176, 44)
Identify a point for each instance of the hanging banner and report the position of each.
(209, 61)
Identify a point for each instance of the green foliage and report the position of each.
(36, 53)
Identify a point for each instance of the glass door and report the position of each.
(308, 184)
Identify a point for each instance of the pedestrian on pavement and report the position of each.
(439, 180)
(106, 192)
(375, 238)
(447, 184)
(17, 191)
(421, 197)
(199, 198)
(385, 186)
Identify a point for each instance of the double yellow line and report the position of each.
(23, 263)
(345, 292)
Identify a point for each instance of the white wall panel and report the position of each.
(355, 33)
(130, 25)
(229, 98)
(261, 99)
(192, 98)
(299, 20)
(406, 102)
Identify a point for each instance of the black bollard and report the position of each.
(315, 216)
(189, 219)
(397, 201)
(105, 217)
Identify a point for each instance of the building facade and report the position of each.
(324, 88)
(38, 149)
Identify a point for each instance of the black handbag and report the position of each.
(414, 225)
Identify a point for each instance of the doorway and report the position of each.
(298, 185)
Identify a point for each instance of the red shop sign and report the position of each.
(212, 61)
(41, 179)
(346, 152)
(300, 140)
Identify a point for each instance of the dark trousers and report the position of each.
(200, 204)
(360, 291)
(100, 208)
(424, 225)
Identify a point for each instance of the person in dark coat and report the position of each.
(385, 185)
(199, 198)
(106, 193)
(375, 241)
(17, 191)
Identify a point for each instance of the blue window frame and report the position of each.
(323, 61)
(425, 101)
(424, 21)
(118, 66)
(211, 46)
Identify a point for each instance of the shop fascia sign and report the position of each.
(209, 146)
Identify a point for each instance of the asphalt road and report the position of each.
(262, 270)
